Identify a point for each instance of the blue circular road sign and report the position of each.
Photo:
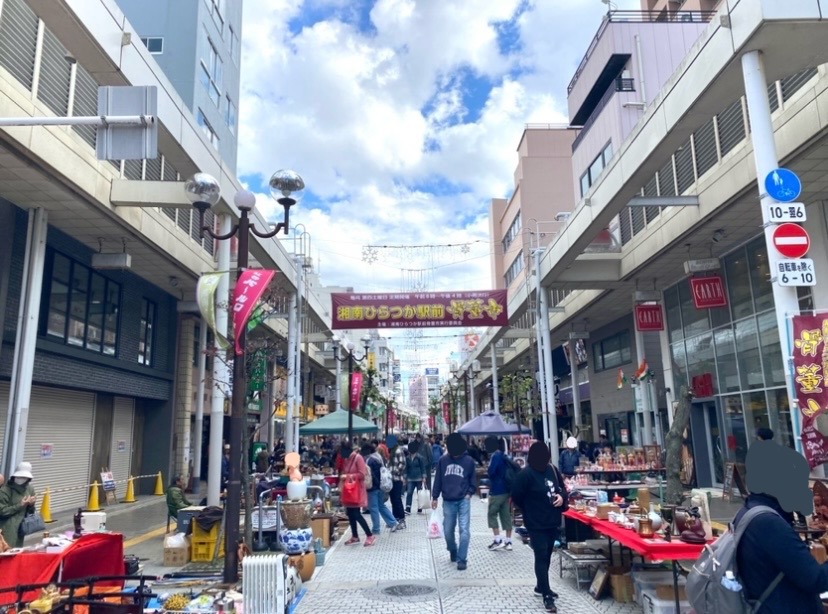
(783, 185)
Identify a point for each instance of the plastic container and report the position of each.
(202, 535)
(202, 550)
(653, 605)
(648, 580)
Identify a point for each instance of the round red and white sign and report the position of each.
(791, 240)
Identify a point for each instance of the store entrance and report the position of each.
(705, 442)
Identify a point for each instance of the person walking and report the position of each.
(436, 452)
(17, 498)
(354, 468)
(376, 497)
(398, 476)
(539, 491)
(455, 480)
(415, 470)
(499, 497)
(425, 453)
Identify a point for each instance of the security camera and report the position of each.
(718, 235)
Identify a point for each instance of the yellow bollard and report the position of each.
(45, 503)
(159, 486)
(130, 493)
(93, 505)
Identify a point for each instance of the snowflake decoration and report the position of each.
(369, 254)
(466, 248)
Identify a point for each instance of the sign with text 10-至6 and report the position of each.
(708, 292)
(649, 318)
(352, 310)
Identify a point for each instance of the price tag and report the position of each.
(798, 272)
(787, 212)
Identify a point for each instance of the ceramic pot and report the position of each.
(296, 491)
(305, 564)
(296, 514)
(296, 541)
(655, 519)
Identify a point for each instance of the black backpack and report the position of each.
(512, 469)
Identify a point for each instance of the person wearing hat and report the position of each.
(17, 498)
(539, 491)
(570, 457)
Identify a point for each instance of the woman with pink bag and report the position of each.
(353, 492)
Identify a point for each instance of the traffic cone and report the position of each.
(130, 493)
(159, 486)
(93, 505)
(45, 503)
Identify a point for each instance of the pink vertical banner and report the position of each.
(250, 287)
(356, 389)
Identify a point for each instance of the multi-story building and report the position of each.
(418, 394)
(665, 157)
(197, 43)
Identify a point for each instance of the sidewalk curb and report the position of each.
(56, 527)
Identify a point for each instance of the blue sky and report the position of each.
(403, 117)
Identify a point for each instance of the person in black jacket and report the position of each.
(777, 477)
(539, 491)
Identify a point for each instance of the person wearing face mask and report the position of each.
(17, 498)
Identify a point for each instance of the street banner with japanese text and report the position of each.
(250, 287)
(352, 310)
(206, 299)
(810, 359)
(356, 390)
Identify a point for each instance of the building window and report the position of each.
(612, 352)
(208, 129)
(154, 44)
(146, 337)
(601, 161)
(230, 115)
(211, 71)
(512, 233)
(81, 306)
(234, 45)
(217, 10)
(514, 269)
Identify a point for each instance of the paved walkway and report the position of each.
(355, 577)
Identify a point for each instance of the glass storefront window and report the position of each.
(700, 355)
(672, 309)
(771, 352)
(756, 413)
(747, 349)
(734, 426)
(780, 412)
(695, 321)
(738, 285)
(760, 275)
(679, 365)
(728, 371)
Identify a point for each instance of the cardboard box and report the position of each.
(321, 527)
(604, 510)
(621, 583)
(176, 557)
(578, 547)
(665, 591)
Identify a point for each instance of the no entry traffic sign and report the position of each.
(791, 240)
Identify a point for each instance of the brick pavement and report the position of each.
(353, 577)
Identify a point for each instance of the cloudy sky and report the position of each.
(403, 117)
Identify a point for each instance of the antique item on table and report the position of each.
(667, 514)
(645, 527)
(694, 533)
(819, 520)
(296, 514)
(681, 518)
(77, 519)
(617, 499)
(655, 519)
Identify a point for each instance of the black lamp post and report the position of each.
(204, 192)
(366, 342)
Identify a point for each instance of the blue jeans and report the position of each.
(377, 507)
(452, 512)
(412, 485)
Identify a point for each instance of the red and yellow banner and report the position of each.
(417, 309)
(249, 289)
(810, 358)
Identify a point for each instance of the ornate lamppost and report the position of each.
(204, 192)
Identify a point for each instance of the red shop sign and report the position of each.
(708, 292)
(649, 318)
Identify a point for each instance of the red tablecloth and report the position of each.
(96, 554)
(650, 548)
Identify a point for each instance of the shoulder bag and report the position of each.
(32, 523)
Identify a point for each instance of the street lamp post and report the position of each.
(366, 341)
(204, 191)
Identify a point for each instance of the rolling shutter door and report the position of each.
(121, 451)
(64, 419)
(4, 410)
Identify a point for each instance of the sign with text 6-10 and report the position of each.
(799, 272)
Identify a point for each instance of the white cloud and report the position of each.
(345, 108)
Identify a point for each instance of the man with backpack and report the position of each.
(499, 493)
(761, 565)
